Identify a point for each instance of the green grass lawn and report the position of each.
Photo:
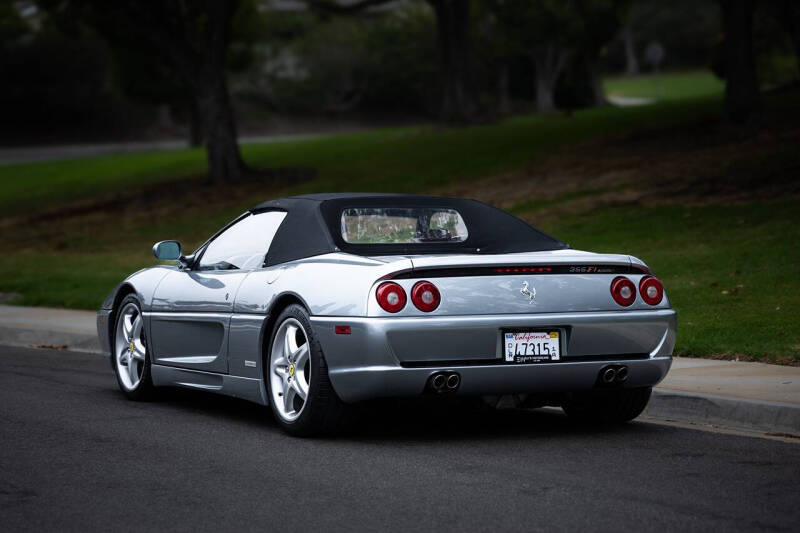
(666, 86)
(731, 271)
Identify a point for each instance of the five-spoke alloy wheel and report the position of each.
(130, 359)
(290, 369)
(295, 371)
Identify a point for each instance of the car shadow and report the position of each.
(412, 420)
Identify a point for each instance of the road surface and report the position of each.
(76, 455)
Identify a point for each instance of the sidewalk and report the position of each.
(737, 394)
(30, 154)
(751, 396)
(36, 326)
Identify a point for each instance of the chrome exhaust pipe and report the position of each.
(622, 373)
(608, 375)
(453, 381)
(438, 382)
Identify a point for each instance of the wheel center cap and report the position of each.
(131, 347)
(291, 370)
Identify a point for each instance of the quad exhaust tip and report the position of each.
(612, 375)
(444, 382)
(453, 381)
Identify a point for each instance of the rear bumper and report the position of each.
(355, 384)
(394, 356)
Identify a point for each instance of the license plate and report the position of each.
(531, 346)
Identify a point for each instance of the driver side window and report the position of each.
(244, 245)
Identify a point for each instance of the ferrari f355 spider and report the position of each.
(312, 303)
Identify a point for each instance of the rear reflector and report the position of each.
(623, 291)
(342, 330)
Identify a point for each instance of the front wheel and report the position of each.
(607, 406)
(300, 391)
(130, 353)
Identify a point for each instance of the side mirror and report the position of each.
(167, 250)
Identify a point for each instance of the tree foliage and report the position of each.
(191, 39)
(559, 35)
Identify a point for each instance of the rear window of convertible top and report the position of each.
(402, 225)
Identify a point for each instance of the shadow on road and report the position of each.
(411, 420)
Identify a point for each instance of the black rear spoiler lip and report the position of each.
(516, 269)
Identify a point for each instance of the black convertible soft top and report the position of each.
(313, 227)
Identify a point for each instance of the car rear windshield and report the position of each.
(402, 225)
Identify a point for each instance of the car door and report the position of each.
(191, 312)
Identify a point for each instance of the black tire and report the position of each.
(144, 390)
(608, 406)
(323, 412)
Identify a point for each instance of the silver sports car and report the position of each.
(312, 303)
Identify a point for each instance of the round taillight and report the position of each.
(425, 296)
(623, 290)
(651, 290)
(391, 296)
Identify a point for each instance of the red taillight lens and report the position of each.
(623, 290)
(425, 296)
(651, 290)
(391, 296)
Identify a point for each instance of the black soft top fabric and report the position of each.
(313, 227)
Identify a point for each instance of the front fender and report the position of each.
(143, 284)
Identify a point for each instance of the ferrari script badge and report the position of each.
(528, 291)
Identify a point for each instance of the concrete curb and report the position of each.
(734, 413)
(41, 337)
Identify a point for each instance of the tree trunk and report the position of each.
(598, 94)
(545, 101)
(791, 18)
(631, 61)
(549, 62)
(741, 87)
(503, 97)
(213, 100)
(452, 21)
(203, 70)
(219, 129)
(195, 125)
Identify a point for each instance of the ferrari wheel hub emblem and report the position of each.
(528, 291)
(291, 370)
(131, 347)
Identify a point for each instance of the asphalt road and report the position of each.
(74, 454)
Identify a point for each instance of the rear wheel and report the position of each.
(130, 355)
(608, 406)
(300, 392)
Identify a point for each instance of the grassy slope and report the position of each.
(731, 271)
(401, 159)
(72, 261)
